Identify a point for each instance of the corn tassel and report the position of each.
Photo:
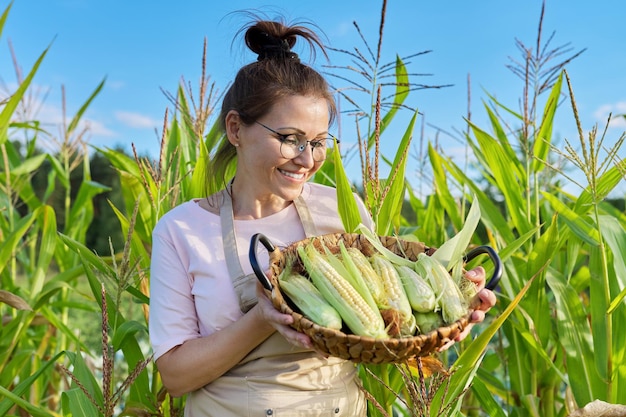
(309, 300)
(353, 309)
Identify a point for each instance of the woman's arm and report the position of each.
(199, 361)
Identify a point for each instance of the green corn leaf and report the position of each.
(574, 335)
(48, 239)
(615, 237)
(348, 209)
(187, 138)
(606, 183)
(26, 405)
(491, 214)
(61, 173)
(28, 166)
(133, 189)
(4, 16)
(127, 330)
(12, 240)
(214, 137)
(81, 212)
(450, 253)
(138, 248)
(83, 373)
(401, 93)
(542, 254)
(88, 256)
(76, 119)
(390, 211)
(56, 321)
(197, 185)
(75, 403)
(504, 107)
(503, 172)
(541, 147)
(577, 224)
(488, 404)
(504, 141)
(442, 189)
(12, 103)
(375, 241)
(468, 362)
(23, 386)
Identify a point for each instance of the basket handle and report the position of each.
(497, 263)
(254, 242)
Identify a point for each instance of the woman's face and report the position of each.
(265, 178)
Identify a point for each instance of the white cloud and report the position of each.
(617, 111)
(136, 120)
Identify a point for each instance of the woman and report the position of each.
(214, 332)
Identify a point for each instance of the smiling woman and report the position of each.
(215, 333)
(205, 304)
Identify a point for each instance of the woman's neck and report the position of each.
(248, 205)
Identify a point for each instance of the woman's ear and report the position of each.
(233, 126)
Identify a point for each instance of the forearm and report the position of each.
(198, 362)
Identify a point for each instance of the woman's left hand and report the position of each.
(279, 321)
(484, 300)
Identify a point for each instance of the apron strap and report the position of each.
(305, 217)
(244, 284)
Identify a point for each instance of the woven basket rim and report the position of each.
(353, 347)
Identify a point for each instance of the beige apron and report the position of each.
(276, 378)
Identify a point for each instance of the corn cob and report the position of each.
(395, 296)
(309, 300)
(449, 297)
(421, 296)
(350, 273)
(372, 281)
(353, 309)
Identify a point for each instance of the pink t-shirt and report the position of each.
(191, 293)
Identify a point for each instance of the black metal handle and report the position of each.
(497, 263)
(254, 242)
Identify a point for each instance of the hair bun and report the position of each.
(268, 45)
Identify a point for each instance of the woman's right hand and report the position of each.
(279, 321)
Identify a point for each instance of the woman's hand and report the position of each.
(484, 300)
(280, 321)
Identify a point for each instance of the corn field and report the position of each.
(73, 338)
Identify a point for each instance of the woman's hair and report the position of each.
(277, 73)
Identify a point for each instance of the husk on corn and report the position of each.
(449, 298)
(420, 294)
(309, 300)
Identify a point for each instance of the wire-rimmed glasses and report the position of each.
(292, 145)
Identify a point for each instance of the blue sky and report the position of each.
(143, 47)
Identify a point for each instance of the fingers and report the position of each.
(477, 276)
(486, 298)
(280, 321)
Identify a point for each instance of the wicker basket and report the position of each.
(343, 344)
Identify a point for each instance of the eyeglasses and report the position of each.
(292, 145)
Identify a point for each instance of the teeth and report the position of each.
(293, 175)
